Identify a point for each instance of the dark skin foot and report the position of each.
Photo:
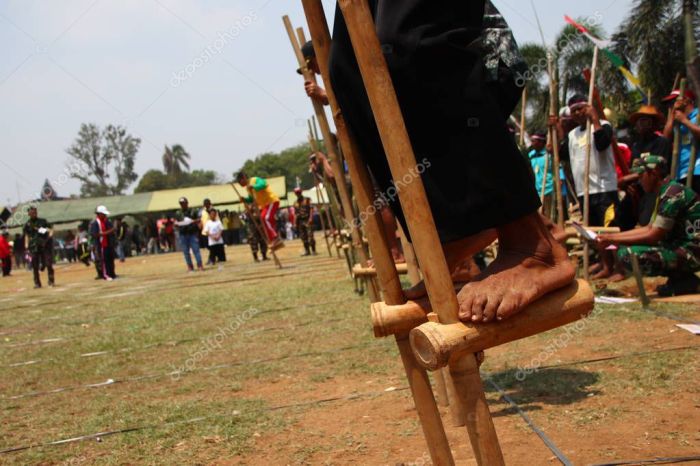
(457, 254)
(530, 264)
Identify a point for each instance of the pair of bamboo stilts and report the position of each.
(332, 153)
(449, 336)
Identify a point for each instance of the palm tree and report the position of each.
(655, 35)
(175, 158)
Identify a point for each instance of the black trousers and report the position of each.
(217, 253)
(473, 172)
(42, 259)
(106, 263)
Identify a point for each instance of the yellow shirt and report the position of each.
(261, 192)
(204, 218)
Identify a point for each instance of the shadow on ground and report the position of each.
(558, 386)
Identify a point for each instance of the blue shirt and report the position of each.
(686, 143)
(537, 160)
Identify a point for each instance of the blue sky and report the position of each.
(215, 76)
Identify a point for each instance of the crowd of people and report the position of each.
(102, 241)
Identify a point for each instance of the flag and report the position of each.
(604, 46)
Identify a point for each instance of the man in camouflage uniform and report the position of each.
(38, 240)
(305, 229)
(255, 239)
(670, 245)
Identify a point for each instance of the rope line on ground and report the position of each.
(547, 441)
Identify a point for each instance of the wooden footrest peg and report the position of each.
(434, 344)
(359, 271)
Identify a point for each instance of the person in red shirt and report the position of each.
(5, 254)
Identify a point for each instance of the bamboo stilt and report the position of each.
(421, 389)
(422, 228)
(587, 170)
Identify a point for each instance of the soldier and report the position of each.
(670, 245)
(255, 239)
(38, 240)
(305, 229)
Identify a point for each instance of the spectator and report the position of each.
(214, 230)
(102, 232)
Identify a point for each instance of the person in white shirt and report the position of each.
(214, 230)
(602, 178)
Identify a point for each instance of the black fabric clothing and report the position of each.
(455, 112)
(656, 144)
(106, 262)
(42, 259)
(217, 253)
(599, 204)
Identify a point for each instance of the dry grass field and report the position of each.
(257, 365)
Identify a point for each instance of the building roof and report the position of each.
(72, 210)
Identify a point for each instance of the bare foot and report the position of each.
(418, 290)
(457, 255)
(529, 265)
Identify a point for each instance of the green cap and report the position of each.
(648, 161)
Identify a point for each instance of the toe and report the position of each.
(465, 298)
(492, 307)
(478, 306)
(509, 306)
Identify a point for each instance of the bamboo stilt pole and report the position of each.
(587, 170)
(327, 138)
(441, 393)
(677, 136)
(417, 377)
(387, 114)
(410, 256)
(523, 104)
(544, 180)
(552, 133)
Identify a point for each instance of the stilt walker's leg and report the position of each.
(421, 390)
(421, 225)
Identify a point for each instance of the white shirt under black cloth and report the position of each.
(603, 178)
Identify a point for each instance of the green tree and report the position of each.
(152, 180)
(176, 160)
(103, 160)
(156, 180)
(291, 163)
(654, 36)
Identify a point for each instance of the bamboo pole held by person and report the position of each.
(587, 169)
(401, 158)
(417, 377)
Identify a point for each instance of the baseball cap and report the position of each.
(101, 210)
(297, 190)
(648, 162)
(182, 199)
(676, 92)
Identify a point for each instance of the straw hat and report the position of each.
(648, 111)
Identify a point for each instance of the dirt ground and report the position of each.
(257, 365)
